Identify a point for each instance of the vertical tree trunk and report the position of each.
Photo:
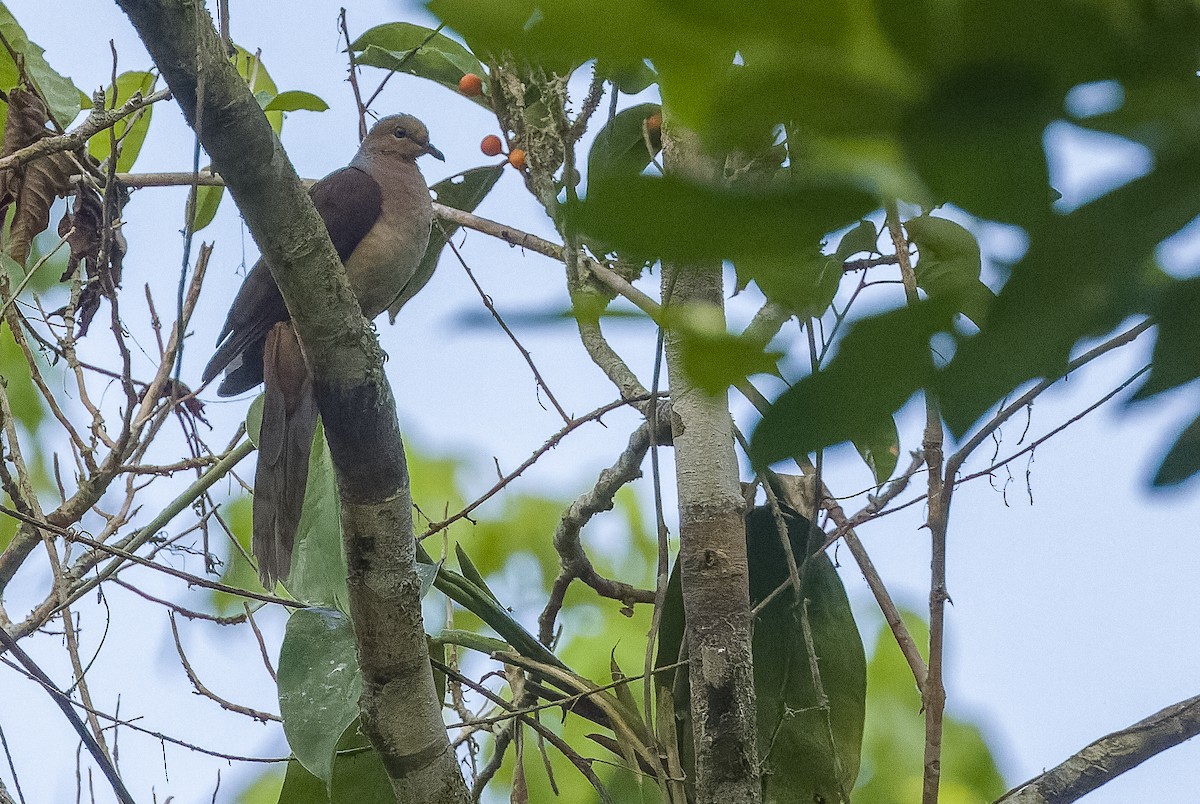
(712, 553)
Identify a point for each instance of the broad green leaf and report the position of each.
(419, 51)
(237, 571)
(671, 218)
(463, 191)
(251, 68)
(62, 97)
(880, 363)
(358, 776)
(624, 145)
(949, 265)
(806, 285)
(319, 686)
(801, 762)
(1083, 274)
(1182, 459)
(1177, 340)
(131, 136)
(295, 100)
(863, 238)
(318, 574)
(716, 361)
(630, 79)
(880, 449)
(254, 416)
(208, 199)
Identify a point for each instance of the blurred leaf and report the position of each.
(132, 136)
(880, 363)
(463, 191)
(208, 199)
(295, 100)
(1177, 340)
(800, 763)
(863, 238)
(806, 285)
(318, 574)
(393, 46)
(1083, 273)
(715, 362)
(630, 79)
(893, 744)
(880, 449)
(61, 95)
(264, 789)
(621, 146)
(319, 686)
(358, 776)
(237, 572)
(949, 265)
(252, 70)
(670, 218)
(1182, 459)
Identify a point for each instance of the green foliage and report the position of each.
(61, 96)
(463, 191)
(809, 745)
(295, 100)
(419, 51)
(319, 686)
(893, 744)
(625, 146)
(357, 776)
(131, 131)
(949, 266)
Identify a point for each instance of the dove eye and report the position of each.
(401, 133)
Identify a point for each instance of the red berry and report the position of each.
(654, 123)
(516, 158)
(471, 85)
(491, 145)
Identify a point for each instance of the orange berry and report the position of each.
(516, 158)
(654, 123)
(471, 85)
(491, 145)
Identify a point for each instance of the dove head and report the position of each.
(398, 136)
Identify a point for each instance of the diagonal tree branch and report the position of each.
(1110, 756)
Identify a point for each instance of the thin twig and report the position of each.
(206, 692)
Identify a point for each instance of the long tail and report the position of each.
(285, 440)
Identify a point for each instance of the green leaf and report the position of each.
(237, 571)
(131, 135)
(358, 776)
(463, 191)
(252, 70)
(624, 146)
(318, 573)
(419, 51)
(1083, 274)
(801, 762)
(295, 100)
(863, 238)
(950, 265)
(319, 686)
(630, 79)
(61, 95)
(208, 199)
(1176, 357)
(716, 361)
(880, 363)
(806, 285)
(1182, 459)
(880, 449)
(667, 217)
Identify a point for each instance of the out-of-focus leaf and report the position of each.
(630, 79)
(358, 776)
(1177, 342)
(1083, 274)
(863, 238)
(1182, 459)
(319, 685)
(668, 217)
(794, 730)
(949, 265)
(251, 68)
(130, 130)
(716, 361)
(419, 51)
(463, 191)
(61, 95)
(237, 572)
(806, 285)
(880, 363)
(880, 449)
(624, 146)
(295, 100)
